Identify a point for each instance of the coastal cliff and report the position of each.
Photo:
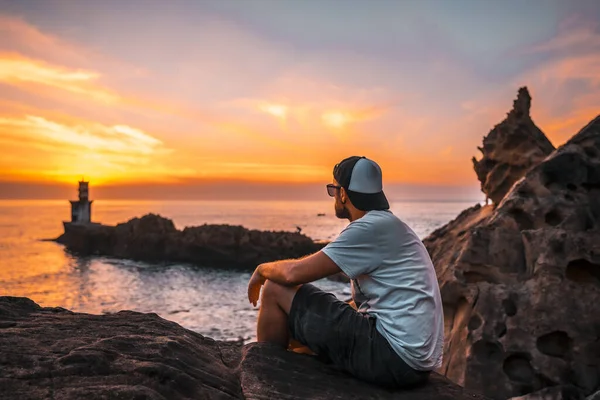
(520, 278)
(153, 238)
(55, 353)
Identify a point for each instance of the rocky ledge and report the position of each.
(510, 149)
(153, 238)
(55, 353)
(520, 278)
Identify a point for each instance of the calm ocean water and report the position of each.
(205, 300)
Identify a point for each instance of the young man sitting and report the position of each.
(395, 335)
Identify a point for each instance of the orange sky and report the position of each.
(154, 98)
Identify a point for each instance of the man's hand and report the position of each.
(254, 285)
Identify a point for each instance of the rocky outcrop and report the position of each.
(155, 239)
(520, 281)
(54, 353)
(510, 150)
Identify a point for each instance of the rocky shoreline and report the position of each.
(55, 353)
(153, 238)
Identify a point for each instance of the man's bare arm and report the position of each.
(296, 272)
(291, 273)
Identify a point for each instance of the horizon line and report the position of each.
(125, 199)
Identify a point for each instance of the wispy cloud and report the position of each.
(20, 71)
(311, 102)
(64, 151)
(564, 83)
(281, 172)
(567, 85)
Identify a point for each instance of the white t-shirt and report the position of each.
(393, 279)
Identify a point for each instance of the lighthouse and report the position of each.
(81, 210)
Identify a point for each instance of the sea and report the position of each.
(209, 301)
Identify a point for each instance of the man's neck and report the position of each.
(356, 214)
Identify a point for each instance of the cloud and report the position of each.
(91, 136)
(64, 151)
(566, 93)
(575, 33)
(310, 102)
(280, 172)
(18, 35)
(20, 71)
(276, 110)
(583, 36)
(564, 84)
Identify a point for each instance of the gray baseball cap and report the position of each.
(362, 179)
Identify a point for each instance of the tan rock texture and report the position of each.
(520, 280)
(510, 150)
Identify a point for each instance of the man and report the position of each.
(394, 337)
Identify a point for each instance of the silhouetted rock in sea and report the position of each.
(520, 280)
(510, 150)
(55, 353)
(154, 238)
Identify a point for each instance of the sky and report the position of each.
(260, 98)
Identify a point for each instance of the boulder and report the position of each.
(595, 396)
(565, 392)
(510, 150)
(55, 353)
(520, 280)
(155, 239)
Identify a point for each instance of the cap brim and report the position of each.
(369, 202)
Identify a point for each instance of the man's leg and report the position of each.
(275, 303)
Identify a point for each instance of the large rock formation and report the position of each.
(154, 238)
(510, 150)
(520, 281)
(54, 353)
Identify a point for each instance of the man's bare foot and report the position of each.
(298, 347)
(302, 350)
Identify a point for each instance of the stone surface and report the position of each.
(520, 281)
(510, 150)
(595, 396)
(567, 392)
(55, 353)
(155, 239)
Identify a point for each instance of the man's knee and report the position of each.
(276, 293)
(271, 290)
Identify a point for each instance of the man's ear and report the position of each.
(343, 195)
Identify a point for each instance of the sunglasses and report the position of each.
(331, 188)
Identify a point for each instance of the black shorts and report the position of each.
(348, 339)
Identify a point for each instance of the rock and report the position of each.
(155, 239)
(520, 281)
(271, 373)
(595, 396)
(55, 353)
(554, 393)
(510, 150)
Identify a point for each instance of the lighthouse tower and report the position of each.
(81, 210)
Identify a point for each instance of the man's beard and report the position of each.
(341, 212)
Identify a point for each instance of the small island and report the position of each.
(153, 238)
